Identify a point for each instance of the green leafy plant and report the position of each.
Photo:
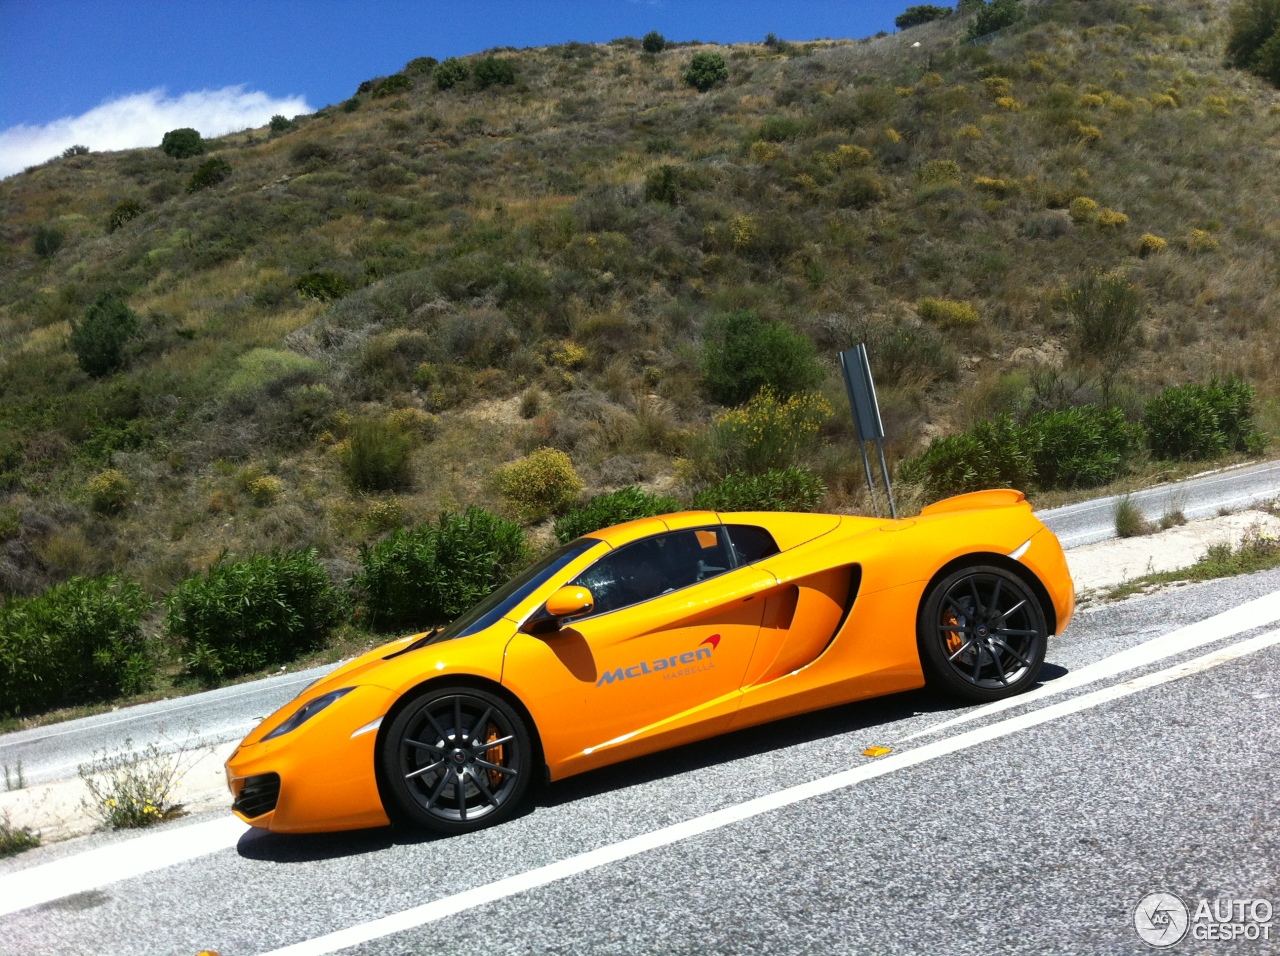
(1196, 422)
(47, 241)
(706, 69)
(182, 143)
(280, 124)
(99, 337)
(994, 16)
(663, 185)
(782, 489)
(743, 353)
(615, 507)
(653, 42)
(240, 616)
(428, 575)
(1106, 312)
(992, 455)
(131, 788)
(377, 456)
(208, 174)
(1081, 447)
(15, 840)
(1254, 40)
(109, 492)
(921, 13)
(1130, 522)
(322, 285)
(421, 65)
(126, 210)
(77, 150)
(77, 642)
(540, 484)
(494, 71)
(450, 73)
(391, 86)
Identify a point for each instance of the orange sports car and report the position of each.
(652, 634)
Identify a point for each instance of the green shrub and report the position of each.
(744, 353)
(922, 13)
(130, 789)
(616, 507)
(15, 840)
(1106, 312)
(322, 285)
(109, 492)
(1195, 422)
(992, 455)
(1081, 447)
(280, 124)
(421, 65)
(450, 73)
(994, 16)
(779, 129)
(425, 576)
(653, 42)
(240, 616)
(946, 312)
(377, 456)
(182, 143)
(705, 70)
(540, 484)
(258, 368)
(77, 642)
(126, 210)
(47, 241)
(392, 85)
(857, 189)
(494, 71)
(77, 150)
(1254, 41)
(1130, 522)
(209, 173)
(783, 489)
(663, 185)
(99, 337)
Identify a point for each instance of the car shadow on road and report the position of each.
(754, 741)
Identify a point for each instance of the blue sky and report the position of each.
(138, 65)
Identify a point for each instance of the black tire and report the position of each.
(457, 759)
(982, 634)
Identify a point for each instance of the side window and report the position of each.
(751, 543)
(646, 569)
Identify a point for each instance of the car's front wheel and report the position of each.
(982, 634)
(457, 759)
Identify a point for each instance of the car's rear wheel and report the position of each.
(982, 634)
(457, 759)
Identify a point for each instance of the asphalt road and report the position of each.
(1036, 828)
(54, 752)
(1199, 497)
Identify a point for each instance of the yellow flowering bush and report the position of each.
(970, 132)
(892, 135)
(1083, 209)
(997, 86)
(1199, 240)
(768, 432)
(1110, 219)
(129, 788)
(763, 152)
(1008, 103)
(940, 171)
(414, 421)
(905, 90)
(385, 514)
(844, 156)
(1149, 244)
(540, 484)
(1090, 134)
(743, 232)
(992, 185)
(1162, 101)
(109, 492)
(265, 490)
(947, 312)
(1216, 106)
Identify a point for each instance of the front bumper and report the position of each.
(324, 770)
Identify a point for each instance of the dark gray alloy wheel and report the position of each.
(457, 759)
(982, 634)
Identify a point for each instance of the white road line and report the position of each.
(118, 861)
(583, 862)
(1245, 617)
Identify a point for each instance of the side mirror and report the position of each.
(570, 602)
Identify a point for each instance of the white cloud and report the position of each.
(141, 119)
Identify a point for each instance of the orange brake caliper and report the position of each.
(494, 755)
(954, 639)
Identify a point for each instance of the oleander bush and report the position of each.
(77, 642)
(1196, 422)
(614, 507)
(780, 489)
(241, 616)
(428, 575)
(1081, 447)
(993, 454)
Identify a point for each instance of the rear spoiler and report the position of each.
(976, 501)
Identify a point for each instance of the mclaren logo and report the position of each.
(677, 665)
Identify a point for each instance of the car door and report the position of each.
(659, 660)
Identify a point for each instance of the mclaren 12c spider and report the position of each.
(657, 633)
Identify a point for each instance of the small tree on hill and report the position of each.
(450, 73)
(492, 71)
(209, 173)
(705, 71)
(182, 143)
(1254, 41)
(99, 338)
(994, 16)
(923, 13)
(653, 42)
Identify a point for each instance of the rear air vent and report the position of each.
(258, 796)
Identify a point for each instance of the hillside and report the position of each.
(534, 264)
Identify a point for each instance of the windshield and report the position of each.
(500, 602)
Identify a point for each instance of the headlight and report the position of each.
(307, 711)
